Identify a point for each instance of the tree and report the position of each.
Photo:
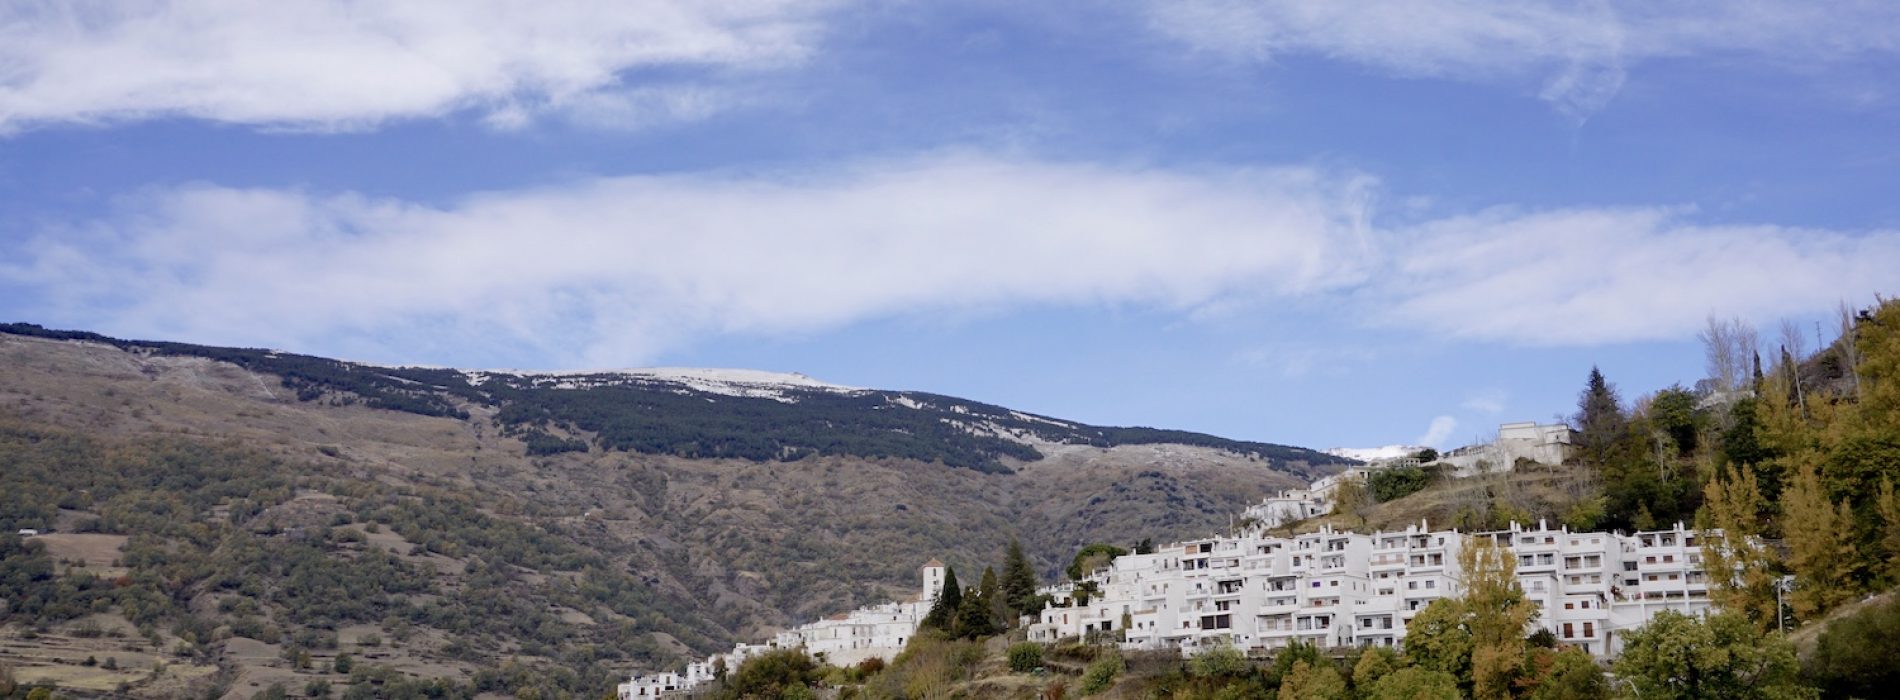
(1350, 497)
(1853, 657)
(1573, 675)
(995, 602)
(1496, 612)
(1019, 580)
(1313, 681)
(1438, 640)
(1672, 411)
(1741, 568)
(1887, 505)
(1415, 683)
(974, 616)
(943, 612)
(1093, 557)
(1821, 552)
(1679, 657)
(1727, 345)
(1374, 663)
(1600, 419)
(780, 673)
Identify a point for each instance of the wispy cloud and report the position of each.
(1577, 53)
(617, 270)
(1487, 401)
(323, 65)
(1438, 432)
(612, 271)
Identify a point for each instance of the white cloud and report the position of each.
(324, 65)
(1579, 51)
(1488, 401)
(1588, 276)
(614, 271)
(1439, 431)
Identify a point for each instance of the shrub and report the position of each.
(1854, 655)
(1220, 661)
(1101, 675)
(1025, 657)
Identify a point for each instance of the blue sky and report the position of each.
(1300, 222)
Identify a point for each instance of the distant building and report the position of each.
(1340, 589)
(877, 631)
(1544, 444)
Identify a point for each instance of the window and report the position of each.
(1589, 629)
(1568, 632)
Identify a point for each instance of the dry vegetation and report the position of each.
(733, 548)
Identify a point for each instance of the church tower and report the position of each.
(933, 580)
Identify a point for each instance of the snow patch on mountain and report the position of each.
(749, 383)
(1374, 454)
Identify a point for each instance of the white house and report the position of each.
(1334, 589)
(879, 631)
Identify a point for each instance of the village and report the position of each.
(1259, 592)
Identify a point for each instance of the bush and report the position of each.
(1025, 657)
(1101, 675)
(1854, 655)
(1220, 661)
(1398, 482)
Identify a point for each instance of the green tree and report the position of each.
(943, 611)
(1600, 418)
(1093, 557)
(974, 617)
(1415, 683)
(1673, 412)
(1374, 663)
(774, 674)
(1680, 657)
(1854, 655)
(1019, 581)
(1887, 505)
(1313, 681)
(1438, 640)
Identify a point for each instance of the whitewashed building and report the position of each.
(879, 631)
(1334, 589)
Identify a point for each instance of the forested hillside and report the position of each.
(208, 526)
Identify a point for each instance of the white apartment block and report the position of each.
(1334, 589)
(845, 639)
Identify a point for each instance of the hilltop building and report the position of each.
(1333, 589)
(845, 639)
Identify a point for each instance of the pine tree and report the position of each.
(973, 614)
(1019, 580)
(1821, 550)
(1600, 420)
(943, 613)
(994, 600)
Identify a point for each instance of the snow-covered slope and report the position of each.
(750, 383)
(1374, 454)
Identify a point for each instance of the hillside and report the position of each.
(238, 511)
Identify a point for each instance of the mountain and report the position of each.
(233, 512)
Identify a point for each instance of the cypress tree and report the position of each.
(943, 613)
(1019, 580)
(1600, 420)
